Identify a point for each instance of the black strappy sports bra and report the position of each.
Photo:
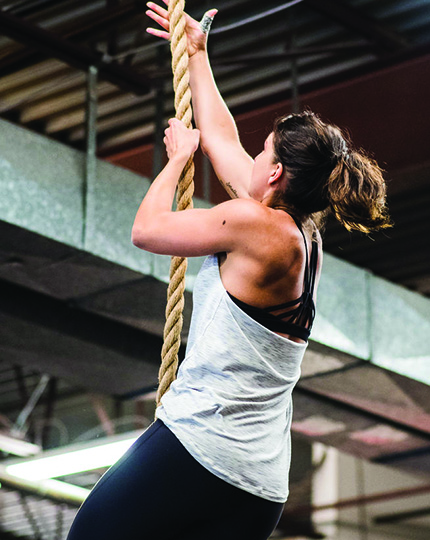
(295, 317)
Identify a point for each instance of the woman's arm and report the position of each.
(196, 232)
(191, 232)
(219, 136)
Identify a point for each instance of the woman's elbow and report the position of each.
(208, 144)
(205, 148)
(148, 240)
(139, 238)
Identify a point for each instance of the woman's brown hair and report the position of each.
(324, 173)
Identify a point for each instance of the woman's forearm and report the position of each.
(158, 200)
(219, 137)
(211, 114)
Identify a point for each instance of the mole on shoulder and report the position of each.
(223, 222)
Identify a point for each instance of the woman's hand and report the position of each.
(181, 142)
(196, 39)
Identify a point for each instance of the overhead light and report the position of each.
(18, 447)
(47, 488)
(73, 459)
(52, 489)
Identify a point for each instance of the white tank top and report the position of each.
(231, 404)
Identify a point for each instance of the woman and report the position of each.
(215, 463)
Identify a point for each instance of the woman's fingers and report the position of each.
(158, 9)
(158, 33)
(161, 17)
(196, 35)
(164, 23)
(212, 13)
(179, 139)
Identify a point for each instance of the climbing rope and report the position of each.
(178, 265)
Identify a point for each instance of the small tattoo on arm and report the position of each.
(231, 188)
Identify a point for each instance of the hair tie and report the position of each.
(345, 153)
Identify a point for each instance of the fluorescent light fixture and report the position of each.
(18, 447)
(64, 489)
(54, 489)
(73, 459)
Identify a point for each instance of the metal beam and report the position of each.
(291, 54)
(357, 21)
(90, 176)
(73, 54)
(81, 28)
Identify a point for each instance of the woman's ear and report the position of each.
(277, 173)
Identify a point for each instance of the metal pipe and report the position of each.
(91, 136)
(28, 409)
(91, 111)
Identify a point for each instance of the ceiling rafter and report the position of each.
(73, 54)
(80, 28)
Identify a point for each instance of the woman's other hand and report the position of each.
(181, 142)
(196, 39)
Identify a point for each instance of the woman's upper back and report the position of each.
(275, 273)
(270, 268)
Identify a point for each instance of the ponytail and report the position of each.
(324, 175)
(356, 193)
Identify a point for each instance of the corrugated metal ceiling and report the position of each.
(251, 60)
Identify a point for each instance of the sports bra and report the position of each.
(297, 316)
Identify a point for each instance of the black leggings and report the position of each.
(157, 490)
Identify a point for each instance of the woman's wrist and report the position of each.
(179, 160)
(200, 53)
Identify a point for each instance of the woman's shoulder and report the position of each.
(249, 215)
(266, 232)
(248, 208)
(243, 206)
